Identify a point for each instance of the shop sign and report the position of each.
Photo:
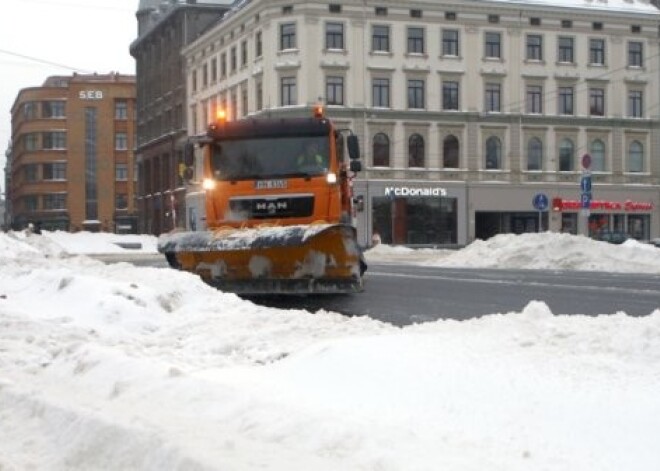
(559, 204)
(395, 191)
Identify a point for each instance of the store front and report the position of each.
(415, 214)
(622, 216)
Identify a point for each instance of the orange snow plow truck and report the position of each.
(278, 204)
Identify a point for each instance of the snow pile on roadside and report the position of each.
(544, 251)
(102, 242)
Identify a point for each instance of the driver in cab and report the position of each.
(312, 157)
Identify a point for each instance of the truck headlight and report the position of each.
(208, 184)
(331, 178)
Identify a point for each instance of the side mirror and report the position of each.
(356, 166)
(189, 154)
(353, 147)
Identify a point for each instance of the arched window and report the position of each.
(636, 157)
(597, 152)
(534, 154)
(450, 152)
(493, 153)
(566, 151)
(416, 151)
(381, 150)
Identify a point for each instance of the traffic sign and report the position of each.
(540, 202)
(585, 200)
(586, 161)
(585, 184)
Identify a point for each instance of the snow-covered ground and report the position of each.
(117, 367)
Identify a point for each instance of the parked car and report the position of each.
(613, 237)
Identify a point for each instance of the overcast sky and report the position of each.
(39, 38)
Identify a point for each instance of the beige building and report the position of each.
(71, 161)
(475, 118)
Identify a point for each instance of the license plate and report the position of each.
(270, 184)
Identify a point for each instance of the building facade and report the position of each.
(71, 161)
(164, 28)
(475, 118)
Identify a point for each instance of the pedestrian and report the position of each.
(375, 239)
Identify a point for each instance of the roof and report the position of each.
(628, 6)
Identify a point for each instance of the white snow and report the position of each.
(118, 367)
(627, 6)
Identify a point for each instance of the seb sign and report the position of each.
(90, 95)
(559, 204)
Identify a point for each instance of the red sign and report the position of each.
(559, 204)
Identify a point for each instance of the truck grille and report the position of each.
(272, 207)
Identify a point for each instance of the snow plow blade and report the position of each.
(304, 259)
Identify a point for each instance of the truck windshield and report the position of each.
(264, 158)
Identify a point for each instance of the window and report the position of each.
(492, 97)
(334, 90)
(287, 36)
(534, 47)
(565, 96)
(244, 53)
(635, 29)
(597, 26)
(244, 100)
(30, 141)
(416, 94)
(259, 92)
(288, 91)
(635, 54)
(450, 15)
(534, 103)
(121, 141)
(597, 51)
(450, 42)
(566, 24)
(381, 150)
(214, 70)
(450, 96)
(635, 157)
(493, 44)
(566, 152)
(205, 75)
(52, 109)
(54, 201)
(334, 36)
(534, 154)
(54, 171)
(232, 59)
(194, 80)
(30, 203)
(565, 49)
(380, 11)
(450, 155)
(597, 102)
(334, 8)
(416, 151)
(30, 172)
(30, 110)
(535, 21)
(415, 13)
(54, 140)
(121, 201)
(493, 18)
(493, 153)
(121, 172)
(287, 10)
(380, 38)
(223, 64)
(415, 40)
(635, 104)
(381, 92)
(597, 152)
(258, 44)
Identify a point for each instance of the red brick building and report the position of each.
(71, 162)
